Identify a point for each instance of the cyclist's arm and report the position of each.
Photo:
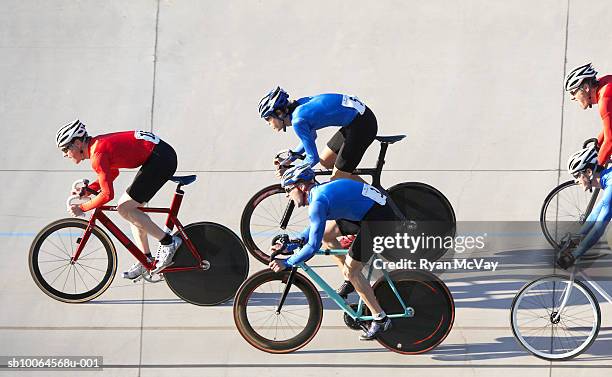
(106, 176)
(596, 224)
(605, 136)
(307, 142)
(314, 239)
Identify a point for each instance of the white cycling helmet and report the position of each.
(70, 132)
(586, 158)
(577, 76)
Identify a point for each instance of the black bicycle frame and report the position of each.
(372, 172)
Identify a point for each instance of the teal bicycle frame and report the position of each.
(355, 314)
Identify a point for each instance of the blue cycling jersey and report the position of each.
(323, 110)
(595, 225)
(338, 199)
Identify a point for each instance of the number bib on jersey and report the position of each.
(353, 102)
(373, 193)
(146, 135)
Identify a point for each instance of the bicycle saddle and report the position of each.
(390, 139)
(184, 179)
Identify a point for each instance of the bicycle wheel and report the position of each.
(229, 265)
(261, 219)
(430, 209)
(564, 211)
(51, 267)
(535, 326)
(291, 329)
(434, 311)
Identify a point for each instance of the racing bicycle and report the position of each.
(270, 213)
(74, 260)
(281, 312)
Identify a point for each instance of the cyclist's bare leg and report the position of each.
(128, 209)
(141, 239)
(352, 271)
(327, 158)
(330, 240)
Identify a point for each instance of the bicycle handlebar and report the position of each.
(284, 240)
(80, 187)
(287, 156)
(589, 141)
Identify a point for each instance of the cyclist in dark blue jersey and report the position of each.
(583, 166)
(349, 203)
(358, 127)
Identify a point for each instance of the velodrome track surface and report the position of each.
(476, 85)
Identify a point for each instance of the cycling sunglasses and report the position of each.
(66, 148)
(574, 92)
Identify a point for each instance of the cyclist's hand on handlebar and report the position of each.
(82, 193)
(278, 265)
(75, 210)
(280, 170)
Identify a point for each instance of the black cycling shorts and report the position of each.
(352, 140)
(154, 173)
(376, 214)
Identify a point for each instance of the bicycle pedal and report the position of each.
(154, 277)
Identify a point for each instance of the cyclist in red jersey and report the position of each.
(588, 90)
(129, 149)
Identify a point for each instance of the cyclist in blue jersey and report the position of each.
(358, 128)
(584, 167)
(349, 203)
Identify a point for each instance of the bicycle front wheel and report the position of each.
(60, 278)
(564, 211)
(259, 323)
(547, 333)
(261, 220)
(229, 265)
(433, 306)
(430, 209)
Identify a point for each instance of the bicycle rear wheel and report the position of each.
(59, 278)
(434, 311)
(430, 209)
(229, 265)
(261, 219)
(291, 329)
(535, 325)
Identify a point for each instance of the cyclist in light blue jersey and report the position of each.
(584, 167)
(358, 128)
(348, 203)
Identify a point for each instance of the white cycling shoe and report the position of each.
(376, 327)
(165, 253)
(135, 272)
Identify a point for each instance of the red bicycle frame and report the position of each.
(171, 221)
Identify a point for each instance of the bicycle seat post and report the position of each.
(379, 163)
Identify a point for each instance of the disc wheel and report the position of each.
(430, 210)
(433, 306)
(228, 265)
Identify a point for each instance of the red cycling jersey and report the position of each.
(109, 153)
(604, 101)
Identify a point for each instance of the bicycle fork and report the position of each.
(287, 288)
(555, 317)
